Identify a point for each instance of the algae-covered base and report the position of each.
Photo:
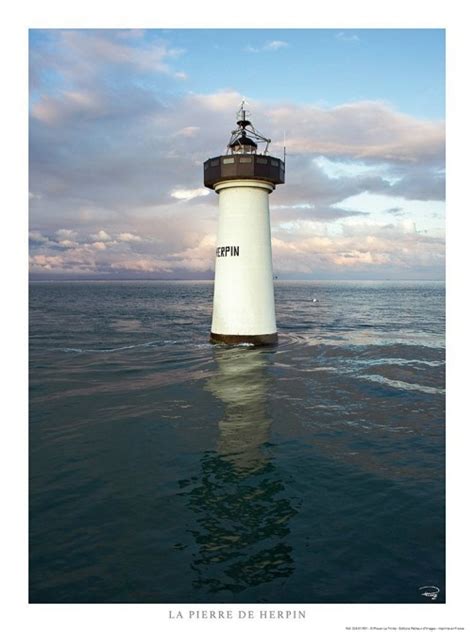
(258, 341)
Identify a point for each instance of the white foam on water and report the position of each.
(405, 386)
(76, 350)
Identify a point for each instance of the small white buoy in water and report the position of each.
(315, 300)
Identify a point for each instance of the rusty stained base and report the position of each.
(258, 341)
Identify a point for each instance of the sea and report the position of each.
(165, 469)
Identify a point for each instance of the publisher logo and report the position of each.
(430, 592)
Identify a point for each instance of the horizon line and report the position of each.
(113, 280)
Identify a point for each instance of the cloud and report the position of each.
(141, 265)
(269, 46)
(300, 247)
(275, 45)
(223, 101)
(420, 184)
(66, 233)
(68, 105)
(188, 132)
(128, 237)
(89, 50)
(36, 237)
(362, 248)
(101, 236)
(43, 262)
(68, 243)
(74, 62)
(343, 36)
(88, 169)
(99, 245)
(189, 194)
(366, 130)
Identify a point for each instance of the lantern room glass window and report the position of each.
(243, 149)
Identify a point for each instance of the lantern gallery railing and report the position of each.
(254, 166)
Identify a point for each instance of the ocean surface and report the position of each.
(165, 469)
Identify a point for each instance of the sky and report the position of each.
(122, 120)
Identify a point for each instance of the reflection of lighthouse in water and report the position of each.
(241, 510)
(241, 384)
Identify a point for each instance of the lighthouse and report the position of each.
(244, 177)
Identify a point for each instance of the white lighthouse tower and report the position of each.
(244, 305)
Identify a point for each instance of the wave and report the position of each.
(152, 343)
(405, 386)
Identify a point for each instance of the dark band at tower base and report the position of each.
(258, 341)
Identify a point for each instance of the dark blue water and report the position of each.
(165, 469)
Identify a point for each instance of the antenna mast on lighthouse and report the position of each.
(246, 131)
